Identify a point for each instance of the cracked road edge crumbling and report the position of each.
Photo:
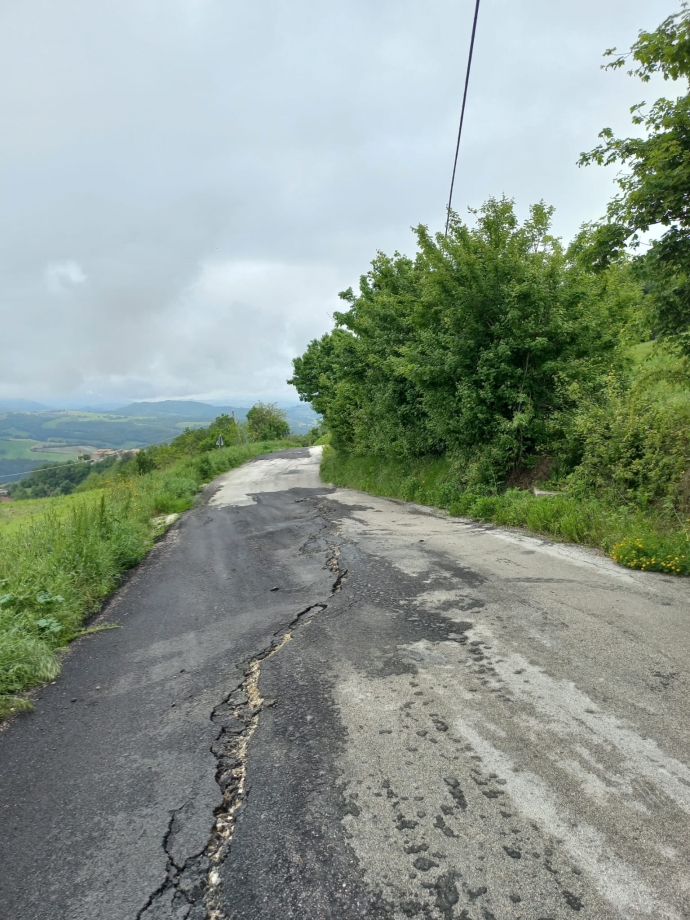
(197, 884)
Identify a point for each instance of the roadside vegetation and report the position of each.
(497, 359)
(61, 556)
(265, 422)
(32, 437)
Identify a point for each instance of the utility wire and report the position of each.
(462, 113)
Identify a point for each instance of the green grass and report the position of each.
(78, 415)
(645, 540)
(14, 514)
(60, 557)
(21, 449)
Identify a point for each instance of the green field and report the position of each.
(37, 451)
(18, 455)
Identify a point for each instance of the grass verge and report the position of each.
(646, 540)
(60, 557)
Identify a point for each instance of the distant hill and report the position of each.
(21, 405)
(182, 408)
(301, 417)
(26, 433)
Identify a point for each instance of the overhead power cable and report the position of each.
(462, 113)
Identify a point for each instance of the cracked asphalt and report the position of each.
(327, 705)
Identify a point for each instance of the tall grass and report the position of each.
(59, 563)
(648, 539)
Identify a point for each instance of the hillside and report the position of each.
(31, 438)
(183, 408)
(300, 417)
(21, 405)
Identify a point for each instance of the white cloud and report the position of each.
(61, 275)
(221, 170)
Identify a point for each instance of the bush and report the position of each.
(654, 554)
(636, 445)
(265, 422)
(479, 346)
(144, 462)
(204, 467)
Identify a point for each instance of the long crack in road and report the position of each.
(405, 714)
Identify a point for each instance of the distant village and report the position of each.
(103, 453)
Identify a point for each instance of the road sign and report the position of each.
(219, 442)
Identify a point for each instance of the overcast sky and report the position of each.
(185, 185)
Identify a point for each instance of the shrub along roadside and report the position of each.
(57, 566)
(638, 539)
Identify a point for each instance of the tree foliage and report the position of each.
(655, 185)
(266, 422)
(479, 345)
(511, 357)
(144, 462)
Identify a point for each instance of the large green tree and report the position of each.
(478, 345)
(266, 422)
(655, 184)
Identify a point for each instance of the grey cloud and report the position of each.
(185, 186)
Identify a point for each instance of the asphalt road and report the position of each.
(326, 705)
